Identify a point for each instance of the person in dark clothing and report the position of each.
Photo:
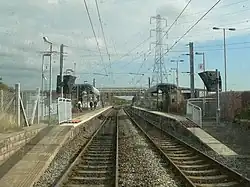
(79, 106)
(91, 105)
(95, 104)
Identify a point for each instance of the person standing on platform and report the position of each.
(79, 104)
(95, 104)
(91, 105)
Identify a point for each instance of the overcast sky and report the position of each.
(126, 24)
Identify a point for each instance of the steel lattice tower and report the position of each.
(158, 69)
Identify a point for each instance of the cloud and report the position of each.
(126, 23)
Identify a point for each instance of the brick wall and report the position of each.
(14, 142)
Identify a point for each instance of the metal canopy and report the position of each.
(88, 88)
(164, 87)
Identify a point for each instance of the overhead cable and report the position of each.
(93, 30)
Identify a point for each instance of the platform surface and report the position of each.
(213, 143)
(6, 135)
(86, 117)
(28, 165)
(33, 159)
(204, 137)
(172, 116)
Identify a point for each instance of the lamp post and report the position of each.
(177, 70)
(45, 39)
(204, 90)
(42, 88)
(225, 56)
(204, 66)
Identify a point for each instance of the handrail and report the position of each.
(192, 113)
(200, 99)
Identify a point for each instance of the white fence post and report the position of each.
(17, 100)
(38, 105)
(35, 108)
(1, 100)
(65, 110)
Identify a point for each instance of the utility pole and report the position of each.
(74, 69)
(225, 54)
(94, 82)
(218, 97)
(191, 55)
(149, 82)
(159, 54)
(61, 68)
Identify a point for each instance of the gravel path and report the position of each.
(139, 164)
(64, 157)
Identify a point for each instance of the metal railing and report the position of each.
(194, 113)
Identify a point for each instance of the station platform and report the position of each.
(26, 166)
(86, 117)
(201, 134)
(168, 115)
(213, 143)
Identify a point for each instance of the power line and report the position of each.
(178, 17)
(226, 14)
(97, 43)
(130, 51)
(104, 38)
(192, 27)
(157, 65)
(100, 20)
(201, 47)
(222, 6)
(208, 33)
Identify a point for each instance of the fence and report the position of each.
(194, 113)
(13, 114)
(64, 110)
(208, 107)
(24, 108)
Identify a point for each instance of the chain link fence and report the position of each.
(19, 108)
(8, 110)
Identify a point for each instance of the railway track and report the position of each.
(196, 168)
(96, 163)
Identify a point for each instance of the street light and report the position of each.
(42, 89)
(142, 74)
(225, 56)
(101, 74)
(177, 70)
(204, 69)
(46, 40)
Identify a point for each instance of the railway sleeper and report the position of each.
(208, 172)
(95, 167)
(225, 184)
(183, 158)
(97, 162)
(87, 173)
(90, 180)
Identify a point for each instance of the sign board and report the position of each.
(201, 67)
(209, 79)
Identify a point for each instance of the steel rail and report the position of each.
(78, 158)
(231, 173)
